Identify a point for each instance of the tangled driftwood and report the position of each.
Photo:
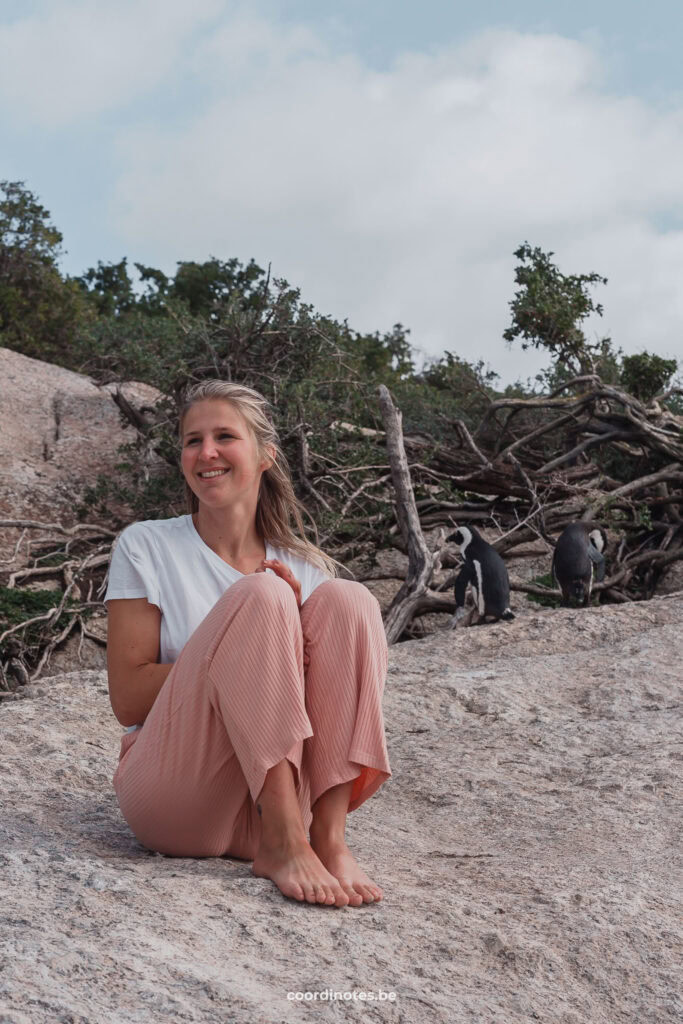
(22, 659)
(510, 482)
(586, 451)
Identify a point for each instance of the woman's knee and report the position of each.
(345, 597)
(263, 587)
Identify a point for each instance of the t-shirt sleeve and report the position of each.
(132, 570)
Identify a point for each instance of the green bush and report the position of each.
(645, 375)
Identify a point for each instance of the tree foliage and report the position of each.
(201, 289)
(549, 307)
(646, 375)
(40, 311)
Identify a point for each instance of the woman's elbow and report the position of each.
(123, 712)
(126, 720)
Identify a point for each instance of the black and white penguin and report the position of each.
(486, 573)
(578, 557)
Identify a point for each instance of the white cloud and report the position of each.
(386, 196)
(76, 59)
(401, 195)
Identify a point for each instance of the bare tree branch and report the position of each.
(420, 560)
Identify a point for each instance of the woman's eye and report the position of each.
(193, 439)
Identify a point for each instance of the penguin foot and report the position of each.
(457, 618)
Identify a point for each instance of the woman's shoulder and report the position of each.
(144, 530)
(286, 554)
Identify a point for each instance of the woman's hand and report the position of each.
(286, 574)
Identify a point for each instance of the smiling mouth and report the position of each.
(214, 474)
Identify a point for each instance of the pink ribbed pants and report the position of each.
(237, 701)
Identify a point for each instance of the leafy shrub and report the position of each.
(645, 375)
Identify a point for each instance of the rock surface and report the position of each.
(528, 845)
(58, 431)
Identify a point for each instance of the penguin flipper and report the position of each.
(465, 576)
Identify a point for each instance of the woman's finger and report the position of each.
(285, 573)
(276, 565)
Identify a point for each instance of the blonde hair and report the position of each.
(277, 503)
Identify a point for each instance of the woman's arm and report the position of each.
(133, 642)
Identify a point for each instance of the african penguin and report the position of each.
(578, 556)
(485, 571)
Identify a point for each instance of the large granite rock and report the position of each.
(58, 431)
(528, 845)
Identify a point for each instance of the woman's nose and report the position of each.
(207, 451)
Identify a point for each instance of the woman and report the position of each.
(249, 677)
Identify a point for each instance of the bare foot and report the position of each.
(298, 873)
(340, 862)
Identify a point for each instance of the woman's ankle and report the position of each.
(328, 824)
(282, 839)
(329, 833)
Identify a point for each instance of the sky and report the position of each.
(386, 158)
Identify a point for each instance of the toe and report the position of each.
(365, 893)
(330, 897)
(295, 892)
(309, 893)
(355, 898)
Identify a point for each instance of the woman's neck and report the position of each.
(226, 538)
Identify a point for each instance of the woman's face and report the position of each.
(215, 437)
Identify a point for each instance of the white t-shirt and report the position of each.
(166, 561)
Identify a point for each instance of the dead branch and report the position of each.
(657, 559)
(420, 560)
(361, 490)
(590, 442)
(68, 531)
(533, 435)
(534, 588)
(143, 418)
(304, 461)
(47, 651)
(28, 622)
(670, 474)
(465, 435)
(17, 546)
